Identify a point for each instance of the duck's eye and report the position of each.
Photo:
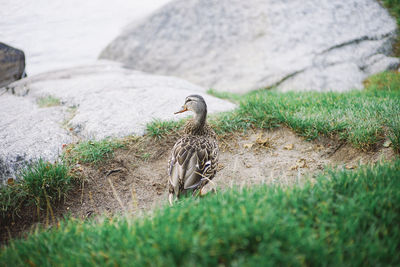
(188, 100)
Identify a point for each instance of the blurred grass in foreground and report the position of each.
(346, 218)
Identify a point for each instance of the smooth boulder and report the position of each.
(12, 64)
(43, 112)
(239, 46)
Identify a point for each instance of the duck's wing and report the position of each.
(193, 163)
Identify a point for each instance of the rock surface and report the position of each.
(12, 64)
(94, 102)
(238, 46)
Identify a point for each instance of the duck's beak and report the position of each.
(184, 108)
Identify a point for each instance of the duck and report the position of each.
(194, 157)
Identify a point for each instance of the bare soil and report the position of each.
(135, 179)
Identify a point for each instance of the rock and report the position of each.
(28, 132)
(238, 46)
(379, 62)
(12, 64)
(95, 102)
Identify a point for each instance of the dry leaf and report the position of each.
(265, 142)
(220, 166)
(301, 163)
(289, 147)
(249, 145)
(387, 143)
(350, 167)
(10, 181)
(295, 167)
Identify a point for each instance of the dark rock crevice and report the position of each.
(357, 41)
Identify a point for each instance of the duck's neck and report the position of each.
(196, 125)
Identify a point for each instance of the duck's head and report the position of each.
(194, 103)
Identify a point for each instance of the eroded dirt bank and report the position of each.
(135, 179)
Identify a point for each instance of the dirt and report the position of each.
(135, 179)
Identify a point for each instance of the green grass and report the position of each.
(12, 201)
(145, 156)
(38, 184)
(91, 152)
(48, 101)
(345, 219)
(44, 181)
(384, 81)
(357, 117)
(362, 118)
(159, 129)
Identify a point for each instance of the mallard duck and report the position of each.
(194, 157)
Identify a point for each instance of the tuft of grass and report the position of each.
(358, 116)
(92, 152)
(387, 80)
(12, 200)
(159, 129)
(39, 184)
(44, 182)
(48, 101)
(145, 156)
(228, 122)
(71, 112)
(346, 218)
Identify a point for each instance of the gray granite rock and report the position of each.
(28, 132)
(238, 46)
(12, 64)
(95, 102)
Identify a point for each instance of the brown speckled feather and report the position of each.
(193, 160)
